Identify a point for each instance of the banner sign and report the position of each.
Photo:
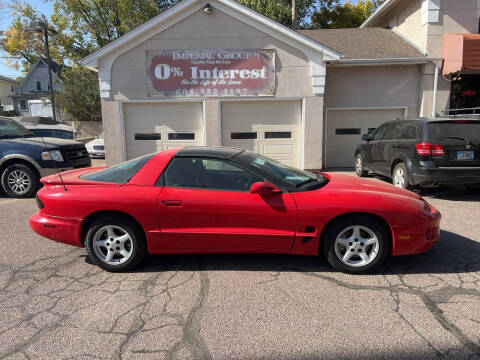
(211, 73)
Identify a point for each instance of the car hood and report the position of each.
(342, 182)
(96, 142)
(47, 141)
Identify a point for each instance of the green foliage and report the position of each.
(336, 15)
(79, 96)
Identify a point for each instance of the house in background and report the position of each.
(447, 30)
(8, 87)
(36, 86)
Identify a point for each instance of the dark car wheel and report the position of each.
(115, 243)
(359, 169)
(20, 181)
(356, 245)
(400, 176)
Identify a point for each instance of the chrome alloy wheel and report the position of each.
(113, 245)
(399, 178)
(18, 181)
(358, 164)
(356, 246)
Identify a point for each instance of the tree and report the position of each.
(347, 15)
(79, 95)
(281, 10)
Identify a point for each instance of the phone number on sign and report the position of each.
(212, 92)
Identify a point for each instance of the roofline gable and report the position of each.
(32, 70)
(277, 30)
(380, 11)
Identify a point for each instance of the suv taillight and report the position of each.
(429, 149)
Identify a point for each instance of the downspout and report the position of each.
(435, 91)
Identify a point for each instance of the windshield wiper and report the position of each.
(29, 135)
(458, 138)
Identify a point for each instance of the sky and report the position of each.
(45, 8)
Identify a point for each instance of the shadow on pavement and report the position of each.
(452, 254)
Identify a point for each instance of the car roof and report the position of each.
(209, 151)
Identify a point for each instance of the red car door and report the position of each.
(206, 206)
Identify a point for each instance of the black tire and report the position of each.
(29, 181)
(474, 189)
(359, 166)
(137, 249)
(401, 170)
(378, 252)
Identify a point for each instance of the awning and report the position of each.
(461, 52)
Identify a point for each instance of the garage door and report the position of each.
(271, 128)
(345, 129)
(152, 127)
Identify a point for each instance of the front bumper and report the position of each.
(426, 173)
(419, 237)
(64, 230)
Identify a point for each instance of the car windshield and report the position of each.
(100, 136)
(119, 174)
(10, 129)
(277, 171)
(455, 131)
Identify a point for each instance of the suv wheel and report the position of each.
(20, 181)
(400, 176)
(359, 169)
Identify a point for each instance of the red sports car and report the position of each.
(226, 200)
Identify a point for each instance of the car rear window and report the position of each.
(119, 174)
(437, 132)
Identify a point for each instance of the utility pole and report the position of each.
(39, 26)
(294, 14)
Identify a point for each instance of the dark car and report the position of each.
(423, 152)
(25, 158)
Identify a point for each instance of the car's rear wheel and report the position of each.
(359, 169)
(20, 181)
(356, 244)
(115, 243)
(400, 176)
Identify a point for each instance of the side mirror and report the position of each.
(264, 188)
(366, 137)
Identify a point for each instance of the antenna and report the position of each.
(54, 161)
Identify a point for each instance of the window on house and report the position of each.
(13, 88)
(23, 104)
(39, 85)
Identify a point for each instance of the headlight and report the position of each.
(52, 155)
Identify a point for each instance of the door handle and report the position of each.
(172, 202)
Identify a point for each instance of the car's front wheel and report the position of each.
(115, 243)
(356, 244)
(20, 181)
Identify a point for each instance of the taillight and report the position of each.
(430, 149)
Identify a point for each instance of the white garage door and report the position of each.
(345, 129)
(153, 127)
(271, 128)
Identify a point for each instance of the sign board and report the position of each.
(211, 73)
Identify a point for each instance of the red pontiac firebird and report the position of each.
(226, 200)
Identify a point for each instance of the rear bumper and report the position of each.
(425, 173)
(419, 237)
(64, 230)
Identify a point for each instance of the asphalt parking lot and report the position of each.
(55, 305)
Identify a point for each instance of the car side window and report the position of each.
(212, 174)
(378, 135)
(393, 132)
(409, 132)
